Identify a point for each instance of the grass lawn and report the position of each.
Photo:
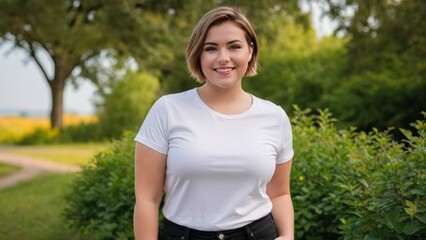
(32, 210)
(70, 154)
(6, 169)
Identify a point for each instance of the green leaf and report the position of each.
(364, 183)
(394, 222)
(417, 191)
(411, 208)
(421, 218)
(413, 227)
(371, 236)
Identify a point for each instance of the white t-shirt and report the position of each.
(218, 165)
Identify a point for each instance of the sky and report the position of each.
(23, 89)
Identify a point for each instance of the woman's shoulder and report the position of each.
(269, 107)
(175, 99)
(178, 96)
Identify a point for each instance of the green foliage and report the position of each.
(127, 104)
(384, 83)
(383, 33)
(378, 100)
(387, 187)
(101, 200)
(370, 185)
(82, 132)
(39, 136)
(321, 152)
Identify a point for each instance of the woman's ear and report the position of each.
(251, 47)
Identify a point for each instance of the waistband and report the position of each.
(245, 231)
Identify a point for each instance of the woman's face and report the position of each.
(225, 55)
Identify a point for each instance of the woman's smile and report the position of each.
(224, 70)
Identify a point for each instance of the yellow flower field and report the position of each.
(13, 127)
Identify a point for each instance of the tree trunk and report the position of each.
(56, 113)
(57, 86)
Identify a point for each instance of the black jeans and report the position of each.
(262, 229)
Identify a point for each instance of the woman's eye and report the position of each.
(234, 47)
(210, 49)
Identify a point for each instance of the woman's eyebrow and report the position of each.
(215, 44)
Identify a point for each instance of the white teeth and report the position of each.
(223, 69)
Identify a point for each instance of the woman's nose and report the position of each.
(223, 56)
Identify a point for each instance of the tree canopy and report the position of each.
(386, 67)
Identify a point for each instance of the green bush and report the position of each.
(320, 157)
(39, 136)
(127, 104)
(345, 185)
(100, 203)
(386, 187)
(82, 132)
(379, 100)
(356, 185)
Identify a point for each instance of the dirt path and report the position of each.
(30, 167)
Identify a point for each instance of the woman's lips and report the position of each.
(224, 70)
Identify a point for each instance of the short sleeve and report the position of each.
(285, 151)
(153, 132)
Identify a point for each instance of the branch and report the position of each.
(88, 56)
(38, 62)
(80, 11)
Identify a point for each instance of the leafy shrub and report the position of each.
(368, 100)
(100, 203)
(320, 157)
(387, 187)
(8, 137)
(127, 104)
(39, 136)
(356, 185)
(82, 132)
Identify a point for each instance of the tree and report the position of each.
(385, 75)
(127, 104)
(378, 30)
(72, 32)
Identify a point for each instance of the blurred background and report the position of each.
(77, 74)
(363, 60)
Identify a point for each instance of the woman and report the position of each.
(222, 155)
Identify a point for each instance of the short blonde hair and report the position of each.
(214, 17)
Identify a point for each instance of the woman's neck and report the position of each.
(227, 101)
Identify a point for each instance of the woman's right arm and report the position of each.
(150, 169)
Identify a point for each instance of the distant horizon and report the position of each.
(13, 112)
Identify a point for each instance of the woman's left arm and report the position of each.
(278, 190)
